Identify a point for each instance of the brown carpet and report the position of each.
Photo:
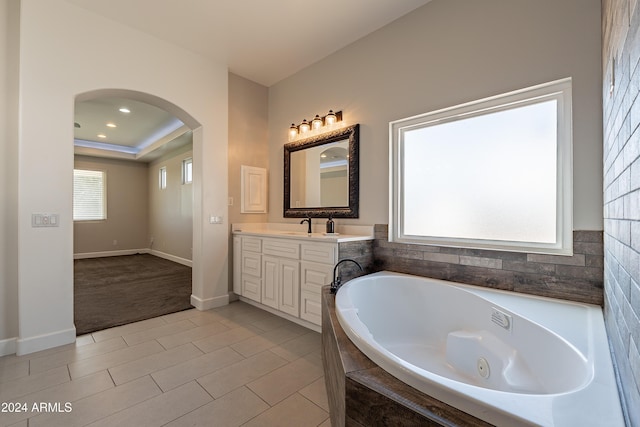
(114, 291)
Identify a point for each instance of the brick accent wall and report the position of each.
(621, 152)
(576, 278)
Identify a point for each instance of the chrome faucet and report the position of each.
(337, 281)
(309, 221)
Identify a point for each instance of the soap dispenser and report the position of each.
(330, 226)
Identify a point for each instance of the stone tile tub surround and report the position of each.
(360, 393)
(621, 185)
(576, 278)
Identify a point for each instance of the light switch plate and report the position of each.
(45, 220)
(213, 219)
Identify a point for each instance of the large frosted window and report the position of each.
(494, 173)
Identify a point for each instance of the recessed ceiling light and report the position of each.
(111, 125)
(102, 135)
(124, 110)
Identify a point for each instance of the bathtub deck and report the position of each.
(363, 394)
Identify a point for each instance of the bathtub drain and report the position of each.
(483, 367)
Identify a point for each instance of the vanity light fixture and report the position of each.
(317, 126)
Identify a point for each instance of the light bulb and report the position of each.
(304, 126)
(330, 118)
(293, 132)
(316, 123)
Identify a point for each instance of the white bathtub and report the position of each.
(506, 358)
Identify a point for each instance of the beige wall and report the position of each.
(443, 54)
(127, 222)
(248, 146)
(9, 13)
(51, 75)
(247, 139)
(171, 209)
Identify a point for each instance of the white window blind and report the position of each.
(187, 171)
(162, 177)
(89, 195)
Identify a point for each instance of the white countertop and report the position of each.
(296, 231)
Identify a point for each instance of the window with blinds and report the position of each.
(187, 171)
(89, 195)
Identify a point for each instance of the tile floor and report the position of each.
(232, 366)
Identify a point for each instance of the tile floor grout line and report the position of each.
(203, 388)
(306, 398)
(258, 396)
(111, 376)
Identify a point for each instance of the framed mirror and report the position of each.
(321, 175)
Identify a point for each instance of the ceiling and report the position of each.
(263, 41)
(142, 132)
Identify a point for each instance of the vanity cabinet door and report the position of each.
(289, 289)
(270, 267)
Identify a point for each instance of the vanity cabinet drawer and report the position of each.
(314, 276)
(325, 253)
(281, 248)
(251, 287)
(310, 307)
(251, 244)
(251, 264)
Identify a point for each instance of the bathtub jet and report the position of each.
(506, 358)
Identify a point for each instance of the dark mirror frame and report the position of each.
(353, 134)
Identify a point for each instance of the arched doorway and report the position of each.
(134, 136)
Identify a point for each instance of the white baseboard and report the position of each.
(209, 303)
(153, 252)
(170, 257)
(110, 253)
(43, 342)
(7, 346)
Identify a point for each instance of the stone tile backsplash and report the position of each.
(576, 278)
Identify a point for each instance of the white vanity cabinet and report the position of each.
(284, 274)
